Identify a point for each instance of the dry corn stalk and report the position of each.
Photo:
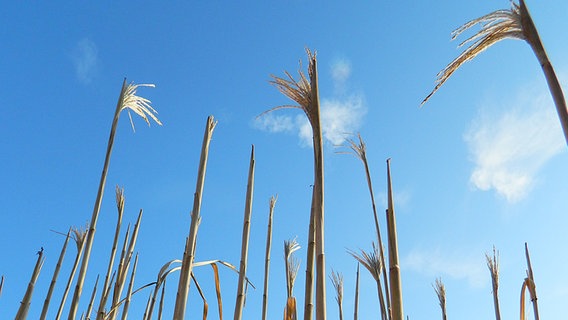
(337, 282)
(514, 23)
(271, 204)
(189, 253)
(305, 93)
(373, 264)
(54, 278)
(240, 303)
(356, 303)
(27, 300)
(130, 101)
(397, 312)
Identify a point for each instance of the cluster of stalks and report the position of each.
(513, 23)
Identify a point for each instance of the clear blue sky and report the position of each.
(483, 163)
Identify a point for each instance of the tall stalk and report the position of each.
(359, 149)
(27, 300)
(292, 266)
(189, 252)
(239, 305)
(372, 262)
(130, 101)
(394, 268)
(515, 23)
(92, 301)
(305, 93)
(271, 204)
(54, 278)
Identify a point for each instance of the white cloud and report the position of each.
(85, 59)
(339, 116)
(340, 73)
(508, 150)
(435, 263)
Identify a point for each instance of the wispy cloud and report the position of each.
(340, 73)
(459, 266)
(509, 149)
(340, 116)
(85, 59)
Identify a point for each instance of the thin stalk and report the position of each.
(27, 300)
(79, 237)
(394, 268)
(360, 151)
(124, 266)
(239, 305)
(126, 100)
(531, 284)
(271, 205)
(356, 303)
(493, 265)
(54, 278)
(119, 192)
(93, 294)
(189, 252)
(373, 264)
(129, 292)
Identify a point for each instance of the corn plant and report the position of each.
(271, 204)
(305, 93)
(395, 281)
(514, 23)
(189, 252)
(127, 100)
(239, 305)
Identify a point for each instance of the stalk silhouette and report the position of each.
(271, 204)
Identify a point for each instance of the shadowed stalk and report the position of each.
(395, 281)
(356, 303)
(189, 252)
(271, 204)
(54, 278)
(78, 236)
(337, 282)
(92, 301)
(27, 300)
(1, 284)
(292, 266)
(305, 93)
(531, 284)
(119, 193)
(373, 264)
(493, 265)
(514, 23)
(239, 305)
(359, 149)
(130, 101)
(129, 291)
(440, 290)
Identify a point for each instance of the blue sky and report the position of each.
(481, 164)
